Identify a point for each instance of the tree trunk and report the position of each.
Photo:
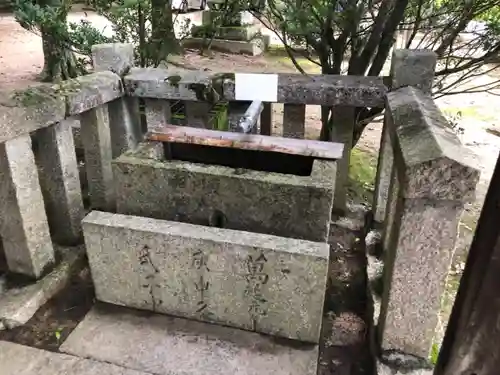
(59, 61)
(163, 40)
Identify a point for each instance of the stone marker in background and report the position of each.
(257, 282)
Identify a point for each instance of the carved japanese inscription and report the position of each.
(201, 282)
(151, 273)
(251, 281)
(256, 278)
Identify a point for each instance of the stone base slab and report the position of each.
(255, 47)
(257, 282)
(17, 359)
(18, 305)
(164, 345)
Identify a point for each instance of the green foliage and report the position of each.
(131, 20)
(356, 37)
(434, 353)
(362, 171)
(220, 120)
(33, 17)
(50, 20)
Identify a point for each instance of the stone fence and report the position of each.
(422, 182)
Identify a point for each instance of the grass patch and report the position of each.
(362, 171)
(470, 112)
(434, 354)
(307, 65)
(279, 55)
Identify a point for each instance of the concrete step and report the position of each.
(165, 345)
(17, 359)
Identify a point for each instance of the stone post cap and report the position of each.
(429, 155)
(116, 57)
(412, 67)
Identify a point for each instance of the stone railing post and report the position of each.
(24, 228)
(266, 119)
(88, 96)
(342, 132)
(124, 120)
(408, 68)
(432, 180)
(294, 117)
(60, 182)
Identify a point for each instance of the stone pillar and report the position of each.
(430, 183)
(158, 112)
(60, 182)
(96, 141)
(408, 68)
(342, 132)
(124, 120)
(294, 117)
(23, 223)
(197, 114)
(266, 119)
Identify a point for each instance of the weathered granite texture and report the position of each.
(413, 68)
(429, 184)
(124, 118)
(90, 91)
(115, 57)
(158, 112)
(164, 345)
(18, 359)
(24, 229)
(408, 68)
(19, 304)
(60, 182)
(159, 83)
(428, 152)
(416, 264)
(292, 88)
(294, 117)
(96, 139)
(40, 106)
(263, 202)
(344, 119)
(26, 111)
(257, 282)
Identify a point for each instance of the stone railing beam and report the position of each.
(292, 88)
(38, 107)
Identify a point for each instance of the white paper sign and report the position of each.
(250, 86)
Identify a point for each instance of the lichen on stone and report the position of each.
(35, 96)
(213, 92)
(174, 80)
